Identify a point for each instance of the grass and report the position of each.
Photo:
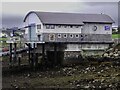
(3, 39)
(4, 42)
(114, 36)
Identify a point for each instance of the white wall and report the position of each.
(73, 47)
(88, 29)
(62, 29)
(79, 47)
(95, 46)
(33, 18)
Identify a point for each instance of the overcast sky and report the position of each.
(13, 13)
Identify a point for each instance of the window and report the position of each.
(77, 35)
(47, 26)
(107, 28)
(88, 46)
(65, 36)
(52, 27)
(65, 26)
(81, 35)
(94, 28)
(51, 37)
(99, 46)
(81, 27)
(59, 36)
(71, 35)
(39, 37)
(59, 26)
(39, 26)
(77, 26)
(71, 26)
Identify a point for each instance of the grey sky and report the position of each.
(13, 13)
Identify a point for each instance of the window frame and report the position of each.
(71, 36)
(77, 35)
(47, 26)
(39, 25)
(52, 26)
(65, 35)
(59, 36)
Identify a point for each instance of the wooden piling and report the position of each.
(43, 53)
(34, 56)
(32, 62)
(15, 56)
(10, 55)
(55, 54)
(29, 53)
(19, 61)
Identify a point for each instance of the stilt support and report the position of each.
(15, 56)
(29, 53)
(19, 61)
(10, 55)
(34, 56)
(55, 54)
(43, 53)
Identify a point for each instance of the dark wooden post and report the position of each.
(29, 53)
(19, 60)
(15, 47)
(32, 62)
(43, 53)
(10, 48)
(36, 60)
(55, 54)
(34, 56)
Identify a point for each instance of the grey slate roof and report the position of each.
(70, 18)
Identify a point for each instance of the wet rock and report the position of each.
(98, 72)
(100, 86)
(111, 54)
(28, 75)
(106, 55)
(106, 68)
(87, 86)
(117, 74)
(102, 71)
(87, 68)
(78, 85)
(116, 55)
(110, 85)
(85, 72)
